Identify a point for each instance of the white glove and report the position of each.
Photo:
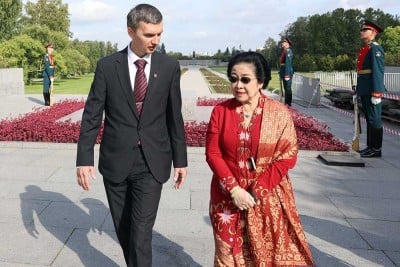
(52, 79)
(375, 100)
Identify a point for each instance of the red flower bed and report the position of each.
(43, 125)
(196, 133)
(314, 135)
(205, 101)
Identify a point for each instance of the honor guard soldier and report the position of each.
(370, 86)
(286, 69)
(48, 73)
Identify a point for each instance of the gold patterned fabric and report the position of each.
(270, 234)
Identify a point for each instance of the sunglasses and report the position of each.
(244, 80)
(366, 29)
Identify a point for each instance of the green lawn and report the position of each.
(273, 84)
(71, 86)
(81, 84)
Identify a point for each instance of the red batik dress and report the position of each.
(270, 233)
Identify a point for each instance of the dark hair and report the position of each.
(263, 70)
(145, 13)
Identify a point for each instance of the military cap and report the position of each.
(373, 25)
(287, 40)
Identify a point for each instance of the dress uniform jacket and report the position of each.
(370, 69)
(49, 69)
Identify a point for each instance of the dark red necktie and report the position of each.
(140, 84)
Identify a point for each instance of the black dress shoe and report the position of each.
(362, 151)
(371, 153)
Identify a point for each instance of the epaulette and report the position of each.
(375, 43)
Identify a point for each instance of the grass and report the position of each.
(272, 86)
(81, 84)
(71, 86)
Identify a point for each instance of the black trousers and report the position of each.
(133, 206)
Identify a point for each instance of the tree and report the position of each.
(391, 39)
(77, 63)
(45, 36)
(299, 33)
(271, 51)
(336, 34)
(10, 12)
(22, 52)
(161, 49)
(50, 13)
(226, 55)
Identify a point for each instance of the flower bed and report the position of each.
(216, 83)
(43, 125)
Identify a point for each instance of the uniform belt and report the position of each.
(367, 71)
(282, 64)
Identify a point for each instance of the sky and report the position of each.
(205, 26)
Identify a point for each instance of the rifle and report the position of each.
(357, 127)
(51, 93)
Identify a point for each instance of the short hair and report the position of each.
(261, 66)
(145, 13)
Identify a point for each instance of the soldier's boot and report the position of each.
(288, 99)
(376, 144)
(368, 141)
(46, 99)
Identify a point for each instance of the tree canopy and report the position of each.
(10, 12)
(331, 41)
(23, 39)
(325, 42)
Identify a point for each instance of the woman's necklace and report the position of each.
(247, 114)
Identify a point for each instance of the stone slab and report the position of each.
(341, 159)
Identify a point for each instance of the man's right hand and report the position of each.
(83, 174)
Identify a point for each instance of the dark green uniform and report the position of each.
(370, 82)
(286, 71)
(48, 72)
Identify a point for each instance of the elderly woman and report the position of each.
(251, 145)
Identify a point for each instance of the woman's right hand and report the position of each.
(242, 199)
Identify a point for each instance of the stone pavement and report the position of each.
(351, 214)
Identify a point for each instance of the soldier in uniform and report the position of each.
(370, 87)
(48, 73)
(286, 69)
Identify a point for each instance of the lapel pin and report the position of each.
(155, 75)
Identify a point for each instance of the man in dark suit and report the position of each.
(370, 86)
(286, 69)
(141, 138)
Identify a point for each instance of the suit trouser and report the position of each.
(133, 206)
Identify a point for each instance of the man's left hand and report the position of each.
(179, 177)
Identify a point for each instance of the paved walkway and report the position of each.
(351, 214)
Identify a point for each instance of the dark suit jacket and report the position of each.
(160, 128)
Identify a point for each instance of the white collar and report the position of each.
(132, 57)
